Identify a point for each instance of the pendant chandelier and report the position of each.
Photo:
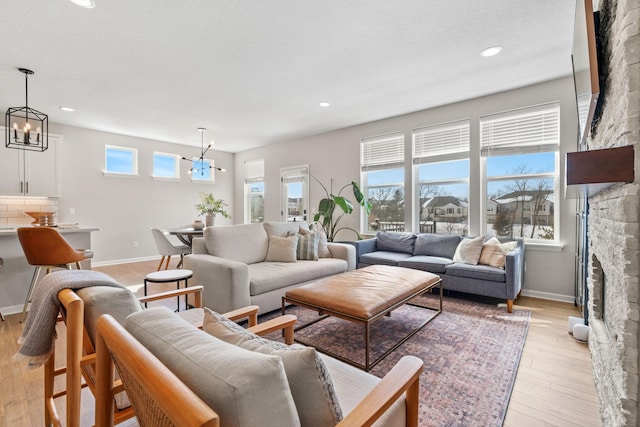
(26, 128)
(200, 164)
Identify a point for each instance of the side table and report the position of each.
(165, 276)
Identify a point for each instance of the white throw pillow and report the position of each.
(469, 250)
(494, 253)
(282, 249)
(308, 377)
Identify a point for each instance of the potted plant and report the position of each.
(210, 206)
(328, 217)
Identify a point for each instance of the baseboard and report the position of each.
(548, 295)
(124, 261)
(12, 309)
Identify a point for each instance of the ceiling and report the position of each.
(253, 71)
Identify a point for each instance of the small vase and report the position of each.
(210, 220)
(197, 224)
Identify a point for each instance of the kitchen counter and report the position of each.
(16, 275)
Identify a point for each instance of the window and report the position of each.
(520, 151)
(382, 163)
(441, 170)
(166, 165)
(202, 170)
(254, 191)
(295, 193)
(120, 160)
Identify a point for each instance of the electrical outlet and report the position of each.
(72, 211)
(135, 243)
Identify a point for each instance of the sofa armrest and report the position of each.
(364, 247)
(198, 246)
(343, 251)
(403, 377)
(514, 269)
(225, 282)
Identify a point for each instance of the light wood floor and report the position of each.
(554, 384)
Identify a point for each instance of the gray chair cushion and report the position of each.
(244, 387)
(395, 242)
(431, 264)
(438, 245)
(482, 272)
(383, 257)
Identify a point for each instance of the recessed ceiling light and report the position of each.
(88, 4)
(69, 109)
(491, 51)
(324, 103)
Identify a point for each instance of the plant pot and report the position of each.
(210, 220)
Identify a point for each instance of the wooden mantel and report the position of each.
(589, 172)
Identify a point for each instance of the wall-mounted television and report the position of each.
(585, 67)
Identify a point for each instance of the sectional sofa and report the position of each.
(440, 254)
(237, 267)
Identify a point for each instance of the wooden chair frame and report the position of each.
(169, 398)
(81, 356)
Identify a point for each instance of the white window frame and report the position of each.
(176, 166)
(519, 139)
(134, 160)
(289, 175)
(212, 171)
(380, 152)
(442, 142)
(254, 173)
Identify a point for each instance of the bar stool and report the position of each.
(166, 276)
(45, 247)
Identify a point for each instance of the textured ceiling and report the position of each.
(253, 71)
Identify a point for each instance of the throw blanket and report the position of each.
(39, 331)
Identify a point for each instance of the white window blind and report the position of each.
(294, 174)
(382, 152)
(254, 171)
(530, 130)
(447, 141)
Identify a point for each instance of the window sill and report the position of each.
(544, 247)
(120, 175)
(165, 178)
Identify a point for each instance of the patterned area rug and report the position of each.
(471, 354)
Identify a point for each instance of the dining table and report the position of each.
(185, 234)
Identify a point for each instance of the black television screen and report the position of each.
(585, 66)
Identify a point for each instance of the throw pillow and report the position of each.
(469, 250)
(308, 244)
(282, 249)
(308, 378)
(395, 242)
(323, 247)
(494, 253)
(244, 388)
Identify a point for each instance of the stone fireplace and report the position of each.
(613, 224)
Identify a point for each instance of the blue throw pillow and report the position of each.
(395, 242)
(440, 245)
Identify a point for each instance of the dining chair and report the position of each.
(167, 249)
(44, 247)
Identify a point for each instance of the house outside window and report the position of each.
(120, 160)
(254, 191)
(441, 174)
(382, 165)
(520, 154)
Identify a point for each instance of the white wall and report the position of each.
(550, 269)
(125, 208)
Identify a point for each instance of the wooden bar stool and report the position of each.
(45, 247)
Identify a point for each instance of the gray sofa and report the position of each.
(435, 252)
(229, 262)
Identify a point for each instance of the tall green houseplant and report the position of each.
(211, 207)
(328, 217)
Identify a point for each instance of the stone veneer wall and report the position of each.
(613, 226)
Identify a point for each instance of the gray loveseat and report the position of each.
(435, 252)
(230, 263)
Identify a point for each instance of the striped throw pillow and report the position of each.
(308, 246)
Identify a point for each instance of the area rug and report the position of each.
(471, 354)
